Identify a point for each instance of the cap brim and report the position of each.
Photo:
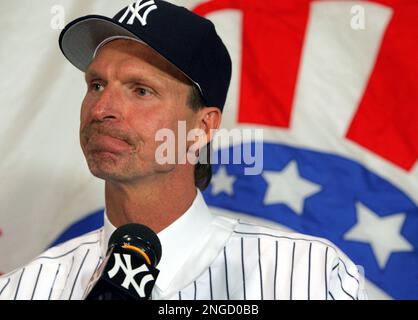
(80, 39)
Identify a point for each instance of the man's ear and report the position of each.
(208, 121)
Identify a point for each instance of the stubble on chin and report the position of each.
(108, 166)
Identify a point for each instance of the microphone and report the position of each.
(128, 271)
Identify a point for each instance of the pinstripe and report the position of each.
(346, 270)
(341, 282)
(309, 273)
(68, 252)
(226, 274)
(275, 270)
(78, 273)
(36, 283)
(261, 271)
(53, 283)
(195, 290)
(291, 274)
(279, 237)
(71, 269)
(243, 268)
(18, 284)
(210, 283)
(7, 283)
(98, 264)
(326, 276)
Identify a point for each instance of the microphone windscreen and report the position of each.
(128, 271)
(140, 236)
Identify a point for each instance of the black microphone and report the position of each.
(128, 271)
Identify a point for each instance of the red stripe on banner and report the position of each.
(386, 121)
(273, 37)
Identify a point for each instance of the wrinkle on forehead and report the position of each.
(137, 50)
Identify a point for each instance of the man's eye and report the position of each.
(143, 92)
(97, 87)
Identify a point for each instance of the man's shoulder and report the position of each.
(271, 232)
(63, 253)
(270, 247)
(46, 275)
(88, 240)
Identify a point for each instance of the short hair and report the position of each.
(202, 172)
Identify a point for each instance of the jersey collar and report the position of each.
(178, 240)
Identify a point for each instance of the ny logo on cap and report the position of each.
(134, 10)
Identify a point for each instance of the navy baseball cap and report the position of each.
(188, 41)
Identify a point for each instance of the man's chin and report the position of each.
(107, 168)
(110, 175)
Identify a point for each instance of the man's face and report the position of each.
(132, 93)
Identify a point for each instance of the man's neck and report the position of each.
(156, 204)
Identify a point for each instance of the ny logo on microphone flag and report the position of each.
(126, 267)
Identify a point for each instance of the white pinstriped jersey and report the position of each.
(204, 257)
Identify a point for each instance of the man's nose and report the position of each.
(106, 106)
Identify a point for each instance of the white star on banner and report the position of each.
(382, 233)
(288, 187)
(222, 182)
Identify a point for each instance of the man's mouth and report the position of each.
(107, 139)
(107, 143)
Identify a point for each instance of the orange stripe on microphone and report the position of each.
(127, 246)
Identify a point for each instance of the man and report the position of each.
(147, 69)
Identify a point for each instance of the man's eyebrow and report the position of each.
(132, 78)
(135, 79)
(92, 74)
